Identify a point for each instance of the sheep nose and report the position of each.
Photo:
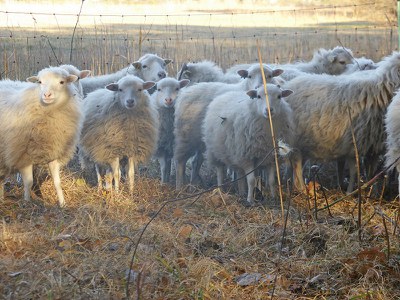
(168, 101)
(47, 95)
(162, 74)
(130, 102)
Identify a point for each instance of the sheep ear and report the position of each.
(331, 58)
(277, 72)
(84, 74)
(148, 85)
(252, 94)
(183, 83)
(286, 93)
(72, 78)
(137, 65)
(112, 87)
(32, 79)
(243, 73)
(167, 61)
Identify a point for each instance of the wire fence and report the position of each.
(31, 40)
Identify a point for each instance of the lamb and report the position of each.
(149, 67)
(392, 127)
(39, 124)
(120, 121)
(237, 132)
(321, 105)
(190, 110)
(164, 97)
(205, 71)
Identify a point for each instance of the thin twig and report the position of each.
(73, 32)
(272, 129)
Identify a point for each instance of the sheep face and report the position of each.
(275, 96)
(151, 67)
(167, 91)
(54, 85)
(336, 60)
(253, 75)
(72, 70)
(129, 90)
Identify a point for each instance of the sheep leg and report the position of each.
(398, 178)
(298, 174)
(271, 180)
(116, 173)
(180, 173)
(168, 163)
(27, 179)
(352, 170)
(54, 167)
(131, 174)
(1, 188)
(340, 170)
(163, 168)
(220, 175)
(99, 179)
(251, 184)
(241, 182)
(196, 165)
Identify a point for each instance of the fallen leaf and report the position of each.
(178, 212)
(185, 231)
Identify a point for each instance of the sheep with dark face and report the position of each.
(321, 106)
(149, 67)
(39, 124)
(164, 97)
(190, 110)
(237, 132)
(120, 121)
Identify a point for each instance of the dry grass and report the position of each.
(193, 249)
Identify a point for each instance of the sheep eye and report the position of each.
(61, 82)
(159, 90)
(279, 97)
(249, 76)
(144, 67)
(120, 90)
(259, 97)
(139, 90)
(40, 82)
(342, 62)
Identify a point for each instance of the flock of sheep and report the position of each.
(116, 121)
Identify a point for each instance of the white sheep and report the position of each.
(164, 97)
(360, 64)
(190, 110)
(39, 124)
(149, 67)
(237, 132)
(206, 71)
(120, 121)
(392, 127)
(321, 105)
(72, 70)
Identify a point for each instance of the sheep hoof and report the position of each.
(246, 203)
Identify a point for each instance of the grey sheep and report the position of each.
(205, 71)
(39, 124)
(392, 127)
(321, 105)
(149, 67)
(120, 121)
(237, 132)
(190, 110)
(164, 97)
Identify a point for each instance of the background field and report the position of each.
(201, 244)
